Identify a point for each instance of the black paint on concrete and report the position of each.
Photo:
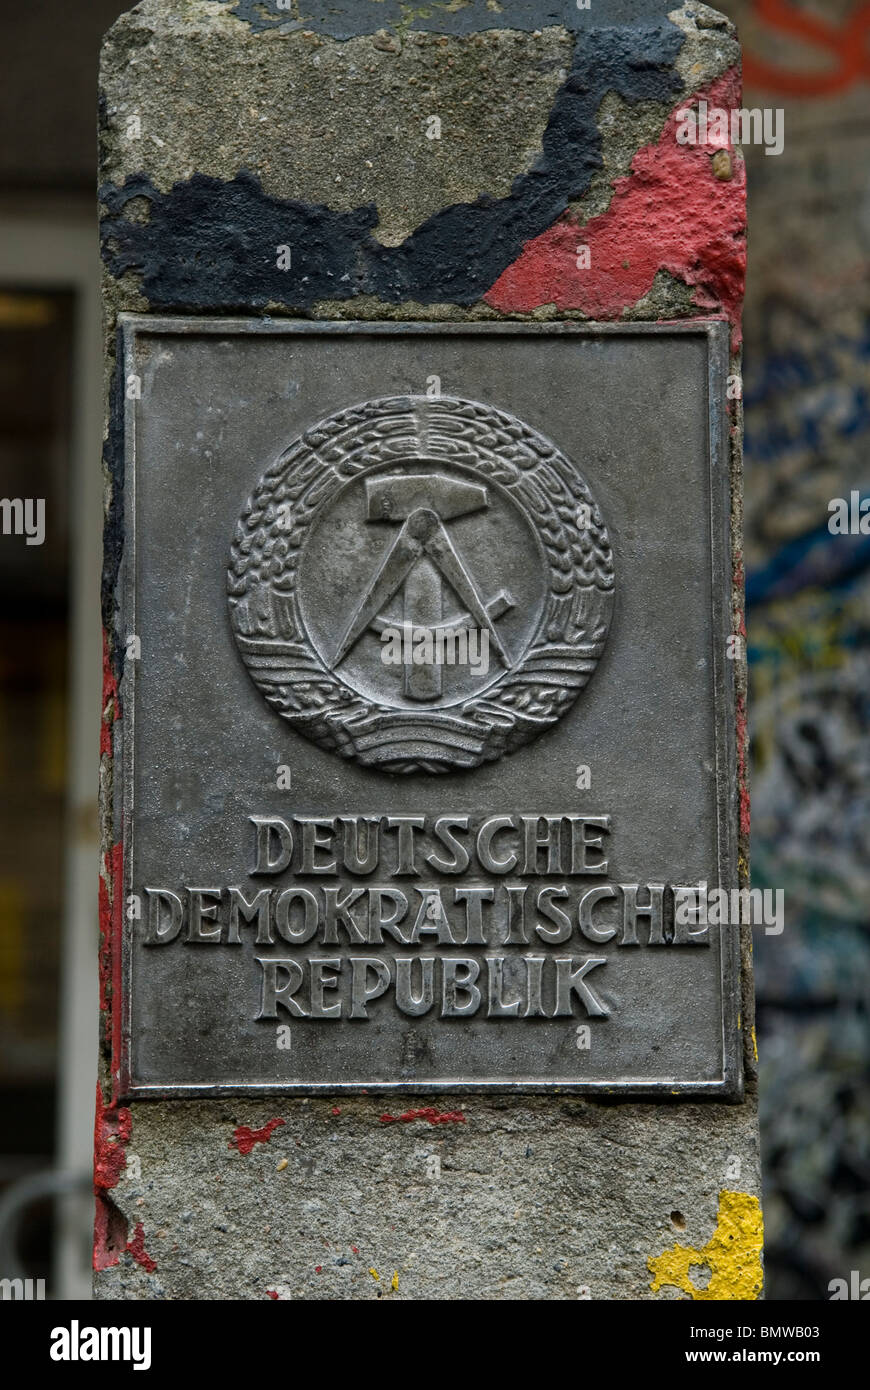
(345, 19)
(212, 245)
(113, 533)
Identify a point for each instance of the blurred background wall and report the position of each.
(807, 398)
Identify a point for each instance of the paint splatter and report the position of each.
(136, 1248)
(244, 1138)
(732, 1254)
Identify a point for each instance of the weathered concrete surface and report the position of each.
(554, 1199)
(539, 120)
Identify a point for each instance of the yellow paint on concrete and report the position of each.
(394, 1283)
(755, 1044)
(732, 1254)
(374, 1274)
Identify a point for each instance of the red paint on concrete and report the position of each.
(434, 1117)
(271, 1293)
(742, 779)
(244, 1138)
(111, 701)
(111, 922)
(112, 1129)
(104, 953)
(336, 1110)
(136, 1248)
(670, 213)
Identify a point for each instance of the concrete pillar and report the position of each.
(484, 164)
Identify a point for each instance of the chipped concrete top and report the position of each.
(387, 151)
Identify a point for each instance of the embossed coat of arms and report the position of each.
(421, 584)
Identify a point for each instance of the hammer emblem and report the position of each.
(420, 560)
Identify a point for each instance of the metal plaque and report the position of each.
(428, 721)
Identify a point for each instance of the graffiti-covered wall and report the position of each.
(807, 399)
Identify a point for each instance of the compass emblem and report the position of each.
(423, 562)
(426, 519)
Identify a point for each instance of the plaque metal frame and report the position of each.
(716, 334)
